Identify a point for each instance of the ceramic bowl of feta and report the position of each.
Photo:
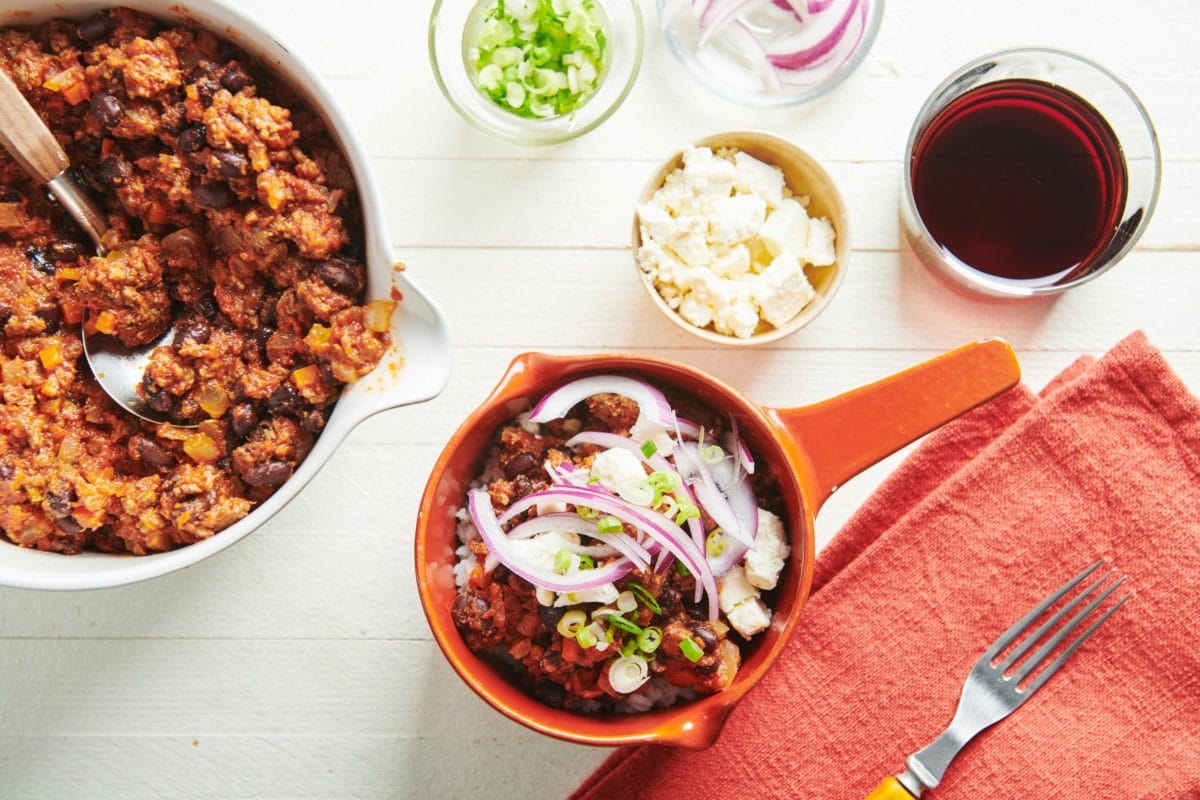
(741, 238)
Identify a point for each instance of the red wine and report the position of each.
(1021, 180)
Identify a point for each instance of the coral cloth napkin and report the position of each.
(983, 520)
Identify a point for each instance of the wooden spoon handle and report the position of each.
(25, 135)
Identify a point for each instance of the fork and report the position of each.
(993, 690)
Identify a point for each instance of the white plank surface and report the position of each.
(297, 664)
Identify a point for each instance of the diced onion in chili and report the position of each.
(628, 674)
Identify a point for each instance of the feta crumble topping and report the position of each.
(725, 243)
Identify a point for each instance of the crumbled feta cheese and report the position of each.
(540, 551)
(749, 618)
(713, 236)
(733, 589)
(601, 594)
(645, 431)
(740, 603)
(550, 508)
(782, 290)
(765, 560)
(620, 471)
(757, 177)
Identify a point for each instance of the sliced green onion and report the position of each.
(593, 480)
(630, 646)
(691, 651)
(649, 640)
(586, 513)
(686, 511)
(669, 506)
(713, 454)
(663, 481)
(571, 623)
(626, 602)
(715, 544)
(644, 595)
(586, 562)
(648, 448)
(586, 638)
(609, 525)
(681, 569)
(563, 561)
(618, 621)
(551, 54)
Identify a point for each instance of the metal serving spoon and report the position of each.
(118, 369)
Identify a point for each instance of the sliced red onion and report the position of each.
(718, 14)
(734, 444)
(615, 544)
(685, 427)
(565, 472)
(613, 441)
(731, 503)
(479, 503)
(791, 56)
(652, 402)
(654, 524)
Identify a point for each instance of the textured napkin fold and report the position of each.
(980, 522)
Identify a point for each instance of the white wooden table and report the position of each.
(298, 664)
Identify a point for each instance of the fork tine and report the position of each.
(1062, 659)
(1057, 639)
(1007, 637)
(1033, 638)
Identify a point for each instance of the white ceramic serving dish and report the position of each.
(413, 371)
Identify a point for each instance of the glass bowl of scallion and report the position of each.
(535, 72)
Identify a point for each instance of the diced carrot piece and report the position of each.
(106, 323)
(72, 312)
(214, 401)
(378, 316)
(201, 448)
(68, 274)
(51, 356)
(75, 93)
(306, 376)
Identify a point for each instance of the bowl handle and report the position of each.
(848, 433)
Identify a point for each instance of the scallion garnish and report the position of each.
(715, 544)
(630, 646)
(713, 454)
(586, 562)
(691, 651)
(608, 525)
(586, 638)
(682, 570)
(563, 561)
(648, 449)
(648, 600)
(571, 623)
(649, 640)
(617, 621)
(586, 513)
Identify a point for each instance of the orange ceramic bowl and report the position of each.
(813, 450)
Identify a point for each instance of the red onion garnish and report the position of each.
(479, 503)
(652, 402)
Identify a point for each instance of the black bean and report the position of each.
(262, 335)
(193, 139)
(225, 464)
(192, 328)
(60, 503)
(549, 615)
(230, 164)
(67, 226)
(114, 171)
(160, 401)
(96, 27)
(67, 251)
(243, 418)
(285, 400)
(52, 317)
(235, 79)
(202, 70)
(271, 473)
(520, 464)
(214, 196)
(11, 196)
(207, 305)
(342, 276)
(207, 87)
(668, 600)
(107, 109)
(706, 634)
(143, 448)
(313, 421)
(68, 525)
(41, 262)
(327, 373)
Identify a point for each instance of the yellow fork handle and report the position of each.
(890, 789)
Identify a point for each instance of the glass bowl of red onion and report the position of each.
(770, 52)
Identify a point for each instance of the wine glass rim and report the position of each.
(973, 277)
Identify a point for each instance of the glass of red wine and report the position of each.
(1029, 172)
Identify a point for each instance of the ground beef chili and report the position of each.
(233, 214)
(499, 615)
